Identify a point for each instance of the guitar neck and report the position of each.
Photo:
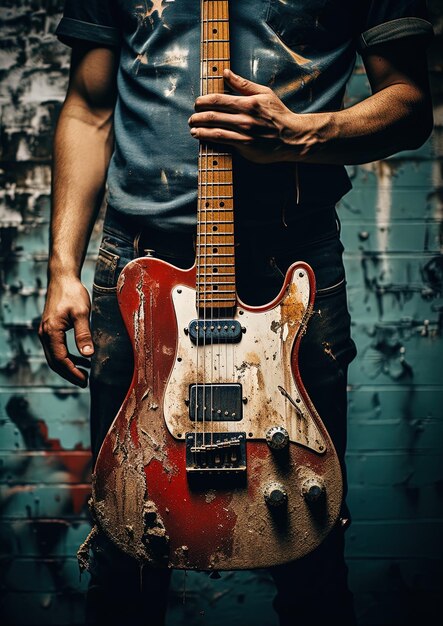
(215, 253)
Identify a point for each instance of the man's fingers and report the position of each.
(221, 135)
(59, 359)
(82, 333)
(239, 123)
(243, 85)
(80, 361)
(225, 103)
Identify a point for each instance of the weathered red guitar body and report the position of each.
(217, 458)
(145, 497)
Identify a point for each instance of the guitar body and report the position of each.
(217, 458)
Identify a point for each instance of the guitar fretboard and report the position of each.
(215, 209)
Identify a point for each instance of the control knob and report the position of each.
(275, 494)
(277, 438)
(313, 489)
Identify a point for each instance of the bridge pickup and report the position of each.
(207, 332)
(216, 403)
(216, 453)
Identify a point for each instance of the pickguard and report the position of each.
(260, 362)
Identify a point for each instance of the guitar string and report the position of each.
(210, 187)
(221, 178)
(205, 237)
(223, 163)
(205, 234)
(199, 255)
(208, 210)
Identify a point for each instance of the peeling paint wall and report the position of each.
(392, 229)
(392, 225)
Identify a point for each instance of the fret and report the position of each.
(217, 245)
(207, 195)
(224, 154)
(207, 268)
(215, 171)
(219, 258)
(218, 222)
(214, 183)
(221, 295)
(207, 40)
(216, 197)
(209, 273)
(214, 277)
(220, 284)
(217, 233)
(215, 299)
(209, 287)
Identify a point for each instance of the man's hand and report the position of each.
(256, 122)
(398, 115)
(67, 306)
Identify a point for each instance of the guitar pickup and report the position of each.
(208, 332)
(216, 403)
(216, 453)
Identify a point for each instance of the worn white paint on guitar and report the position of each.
(260, 362)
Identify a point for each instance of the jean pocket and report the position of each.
(332, 289)
(105, 277)
(318, 24)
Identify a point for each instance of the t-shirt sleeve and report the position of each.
(89, 20)
(394, 19)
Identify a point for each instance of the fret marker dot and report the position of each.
(214, 162)
(215, 287)
(206, 204)
(214, 250)
(214, 30)
(215, 228)
(214, 69)
(222, 204)
(215, 270)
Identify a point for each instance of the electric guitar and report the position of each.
(217, 458)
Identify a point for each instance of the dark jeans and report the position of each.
(311, 590)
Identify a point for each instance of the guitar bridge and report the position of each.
(216, 453)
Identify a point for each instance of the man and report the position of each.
(133, 104)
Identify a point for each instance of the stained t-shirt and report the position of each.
(304, 50)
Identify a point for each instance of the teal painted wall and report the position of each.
(392, 229)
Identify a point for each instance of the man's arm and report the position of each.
(82, 149)
(397, 116)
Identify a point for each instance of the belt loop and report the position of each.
(137, 244)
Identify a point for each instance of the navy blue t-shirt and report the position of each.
(303, 49)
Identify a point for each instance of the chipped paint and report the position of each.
(261, 363)
(383, 214)
(176, 57)
(158, 6)
(140, 462)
